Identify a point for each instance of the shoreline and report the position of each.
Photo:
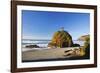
(49, 54)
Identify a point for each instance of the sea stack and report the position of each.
(61, 39)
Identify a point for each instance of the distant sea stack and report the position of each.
(61, 39)
(83, 38)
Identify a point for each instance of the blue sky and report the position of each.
(43, 24)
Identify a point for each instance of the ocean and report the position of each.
(44, 43)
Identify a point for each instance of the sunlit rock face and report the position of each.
(84, 37)
(61, 39)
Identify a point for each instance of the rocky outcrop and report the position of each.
(83, 38)
(32, 46)
(86, 47)
(61, 39)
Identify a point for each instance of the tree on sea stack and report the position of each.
(61, 39)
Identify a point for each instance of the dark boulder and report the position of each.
(32, 46)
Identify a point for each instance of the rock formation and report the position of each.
(32, 46)
(61, 39)
(83, 38)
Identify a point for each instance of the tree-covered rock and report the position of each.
(61, 39)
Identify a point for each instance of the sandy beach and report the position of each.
(42, 54)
